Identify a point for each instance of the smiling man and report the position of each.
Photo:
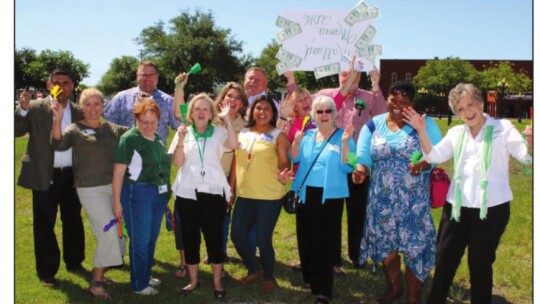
(120, 109)
(49, 175)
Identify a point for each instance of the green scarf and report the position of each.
(209, 131)
(484, 169)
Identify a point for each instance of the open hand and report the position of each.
(414, 119)
(285, 176)
(349, 132)
(286, 108)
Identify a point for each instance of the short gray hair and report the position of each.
(323, 101)
(461, 90)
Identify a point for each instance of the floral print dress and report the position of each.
(398, 215)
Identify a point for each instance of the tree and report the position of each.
(48, 60)
(441, 75)
(120, 76)
(191, 38)
(23, 58)
(518, 82)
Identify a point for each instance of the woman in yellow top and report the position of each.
(262, 170)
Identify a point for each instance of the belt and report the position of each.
(62, 169)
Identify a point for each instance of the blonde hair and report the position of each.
(90, 92)
(202, 96)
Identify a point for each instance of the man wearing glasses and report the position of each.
(120, 109)
(357, 107)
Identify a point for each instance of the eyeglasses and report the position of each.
(329, 111)
(147, 75)
(148, 123)
(396, 91)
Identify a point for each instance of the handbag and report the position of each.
(439, 187)
(292, 198)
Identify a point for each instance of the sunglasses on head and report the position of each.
(396, 91)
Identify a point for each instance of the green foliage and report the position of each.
(33, 70)
(190, 38)
(267, 61)
(441, 75)
(120, 76)
(23, 58)
(518, 82)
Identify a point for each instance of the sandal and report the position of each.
(97, 290)
(181, 271)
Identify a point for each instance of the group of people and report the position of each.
(341, 146)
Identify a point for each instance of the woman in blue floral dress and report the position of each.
(398, 216)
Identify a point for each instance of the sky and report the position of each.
(97, 31)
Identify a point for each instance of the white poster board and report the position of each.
(324, 41)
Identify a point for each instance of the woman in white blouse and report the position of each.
(478, 202)
(201, 188)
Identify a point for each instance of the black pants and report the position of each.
(45, 207)
(316, 227)
(482, 239)
(202, 215)
(356, 215)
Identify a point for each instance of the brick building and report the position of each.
(514, 105)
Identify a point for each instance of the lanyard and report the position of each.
(201, 154)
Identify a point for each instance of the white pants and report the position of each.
(97, 202)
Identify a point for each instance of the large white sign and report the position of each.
(324, 41)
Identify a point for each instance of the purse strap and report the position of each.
(315, 160)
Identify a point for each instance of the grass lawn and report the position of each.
(512, 269)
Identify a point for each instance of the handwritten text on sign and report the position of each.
(323, 41)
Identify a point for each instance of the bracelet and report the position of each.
(282, 118)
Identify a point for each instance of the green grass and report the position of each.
(512, 269)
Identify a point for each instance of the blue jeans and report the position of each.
(261, 215)
(252, 236)
(143, 212)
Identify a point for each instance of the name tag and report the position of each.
(379, 141)
(162, 189)
(88, 132)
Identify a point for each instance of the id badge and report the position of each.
(162, 189)
(88, 132)
(202, 187)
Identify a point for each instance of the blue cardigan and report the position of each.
(335, 177)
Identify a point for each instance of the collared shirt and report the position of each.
(120, 110)
(375, 105)
(202, 166)
(506, 141)
(62, 158)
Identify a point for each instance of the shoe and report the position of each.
(250, 278)
(77, 270)
(148, 291)
(338, 271)
(322, 300)
(219, 294)
(269, 285)
(181, 271)
(50, 282)
(154, 282)
(186, 292)
(97, 290)
(297, 267)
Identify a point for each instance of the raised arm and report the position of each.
(419, 124)
(180, 82)
(179, 155)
